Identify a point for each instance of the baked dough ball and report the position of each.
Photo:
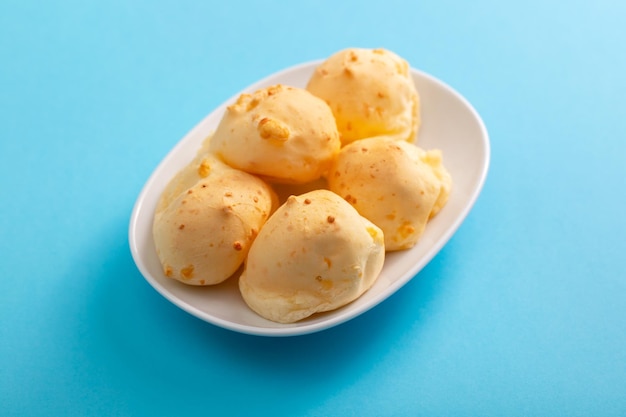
(371, 93)
(203, 236)
(394, 184)
(315, 253)
(284, 134)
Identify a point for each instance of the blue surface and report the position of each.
(522, 313)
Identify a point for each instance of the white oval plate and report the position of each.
(449, 123)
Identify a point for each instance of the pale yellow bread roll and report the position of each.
(284, 134)
(394, 184)
(315, 253)
(203, 235)
(371, 93)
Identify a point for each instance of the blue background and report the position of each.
(522, 313)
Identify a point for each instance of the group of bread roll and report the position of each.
(351, 132)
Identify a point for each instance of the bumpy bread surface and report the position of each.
(314, 254)
(203, 165)
(281, 133)
(203, 235)
(394, 184)
(371, 93)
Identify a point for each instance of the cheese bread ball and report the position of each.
(315, 253)
(203, 236)
(395, 185)
(371, 93)
(284, 134)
